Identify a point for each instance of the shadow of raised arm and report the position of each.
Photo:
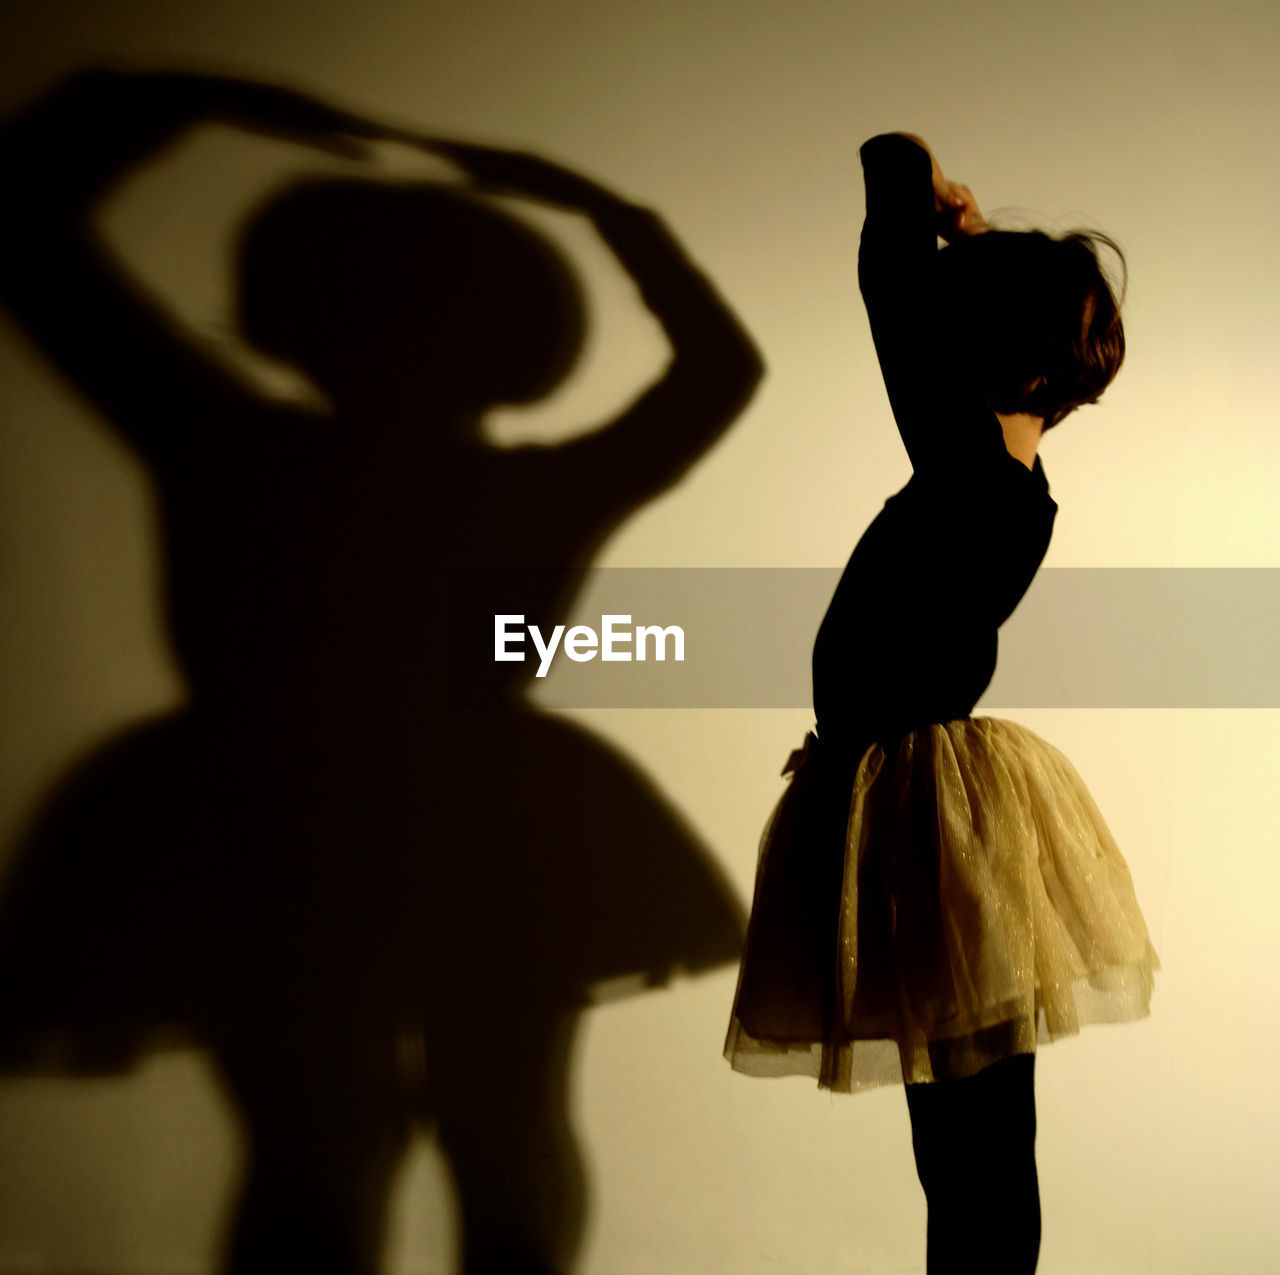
(60, 158)
(715, 366)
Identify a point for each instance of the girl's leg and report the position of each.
(974, 1143)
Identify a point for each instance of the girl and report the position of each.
(937, 892)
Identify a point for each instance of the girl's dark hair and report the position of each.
(1038, 319)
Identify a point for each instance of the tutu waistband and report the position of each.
(800, 755)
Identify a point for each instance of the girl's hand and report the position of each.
(956, 209)
(958, 213)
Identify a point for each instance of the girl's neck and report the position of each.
(1021, 435)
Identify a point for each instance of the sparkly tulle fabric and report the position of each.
(975, 906)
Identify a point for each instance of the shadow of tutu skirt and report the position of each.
(963, 903)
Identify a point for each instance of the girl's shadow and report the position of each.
(357, 866)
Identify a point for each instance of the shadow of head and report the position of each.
(417, 292)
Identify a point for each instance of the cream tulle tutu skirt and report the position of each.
(964, 902)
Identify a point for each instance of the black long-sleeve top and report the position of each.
(910, 635)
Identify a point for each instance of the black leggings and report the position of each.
(974, 1141)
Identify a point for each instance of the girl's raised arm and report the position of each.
(908, 205)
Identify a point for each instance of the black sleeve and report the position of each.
(897, 273)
